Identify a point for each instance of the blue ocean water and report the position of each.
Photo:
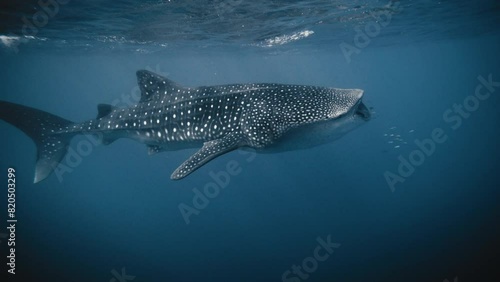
(412, 195)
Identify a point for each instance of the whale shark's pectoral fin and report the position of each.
(210, 150)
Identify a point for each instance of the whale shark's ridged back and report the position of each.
(42, 127)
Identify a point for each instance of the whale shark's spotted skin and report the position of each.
(222, 118)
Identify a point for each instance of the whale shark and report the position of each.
(267, 117)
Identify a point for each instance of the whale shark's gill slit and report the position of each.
(45, 130)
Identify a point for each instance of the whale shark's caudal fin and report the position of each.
(44, 129)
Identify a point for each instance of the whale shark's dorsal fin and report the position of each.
(152, 84)
(104, 110)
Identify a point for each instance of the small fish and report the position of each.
(392, 128)
(397, 146)
(411, 131)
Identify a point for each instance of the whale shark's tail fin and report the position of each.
(45, 130)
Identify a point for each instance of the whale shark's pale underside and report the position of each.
(263, 116)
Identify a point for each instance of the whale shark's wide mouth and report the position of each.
(362, 111)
